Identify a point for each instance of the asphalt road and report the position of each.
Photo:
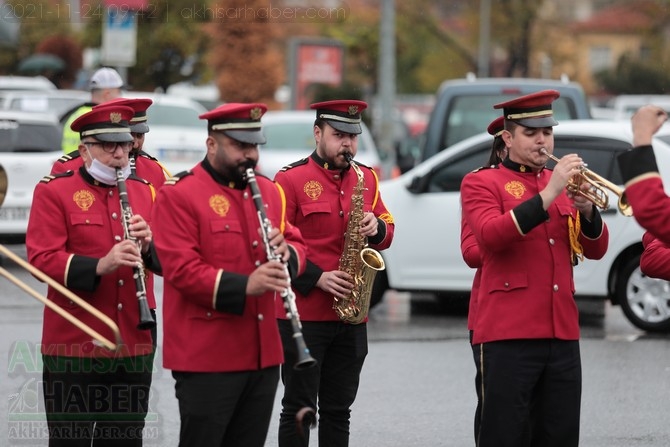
(417, 384)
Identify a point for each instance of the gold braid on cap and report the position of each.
(339, 118)
(231, 126)
(516, 116)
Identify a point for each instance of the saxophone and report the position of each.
(358, 260)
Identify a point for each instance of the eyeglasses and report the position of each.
(110, 146)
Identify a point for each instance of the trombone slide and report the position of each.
(100, 339)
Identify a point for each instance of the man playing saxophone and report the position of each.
(320, 193)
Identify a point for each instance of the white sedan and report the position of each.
(425, 202)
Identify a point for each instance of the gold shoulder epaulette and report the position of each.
(178, 176)
(294, 164)
(145, 155)
(481, 168)
(69, 156)
(361, 164)
(48, 178)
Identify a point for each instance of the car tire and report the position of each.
(644, 300)
(379, 288)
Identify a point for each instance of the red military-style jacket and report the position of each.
(75, 221)
(472, 257)
(318, 201)
(527, 287)
(655, 256)
(644, 191)
(146, 167)
(207, 229)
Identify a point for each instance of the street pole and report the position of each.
(484, 38)
(387, 83)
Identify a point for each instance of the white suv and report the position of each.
(425, 202)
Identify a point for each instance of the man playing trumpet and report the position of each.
(530, 233)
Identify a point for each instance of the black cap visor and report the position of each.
(352, 128)
(246, 136)
(545, 121)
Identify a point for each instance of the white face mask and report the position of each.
(103, 173)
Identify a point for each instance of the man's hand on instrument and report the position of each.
(269, 276)
(139, 229)
(369, 225)
(337, 283)
(279, 245)
(125, 253)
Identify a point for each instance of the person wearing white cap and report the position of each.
(105, 84)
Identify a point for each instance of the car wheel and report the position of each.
(379, 288)
(644, 300)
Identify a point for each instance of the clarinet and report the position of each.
(146, 319)
(305, 360)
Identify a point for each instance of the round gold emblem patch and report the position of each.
(515, 188)
(84, 199)
(219, 204)
(313, 189)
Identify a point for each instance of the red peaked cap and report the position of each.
(497, 126)
(138, 123)
(533, 110)
(105, 123)
(342, 114)
(239, 121)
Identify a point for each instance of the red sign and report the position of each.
(317, 63)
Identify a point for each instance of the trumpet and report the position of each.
(597, 193)
(98, 338)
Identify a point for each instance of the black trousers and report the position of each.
(225, 409)
(340, 351)
(98, 402)
(530, 394)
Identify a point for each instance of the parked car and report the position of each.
(29, 145)
(57, 102)
(26, 83)
(622, 107)
(290, 137)
(463, 106)
(425, 202)
(176, 135)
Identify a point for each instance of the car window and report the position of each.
(288, 136)
(28, 137)
(173, 115)
(296, 137)
(470, 114)
(600, 154)
(447, 176)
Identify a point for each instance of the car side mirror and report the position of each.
(419, 184)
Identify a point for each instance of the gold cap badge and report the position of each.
(255, 113)
(115, 117)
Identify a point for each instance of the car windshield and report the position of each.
(294, 137)
(471, 113)
(27, 137)
(172, 115)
